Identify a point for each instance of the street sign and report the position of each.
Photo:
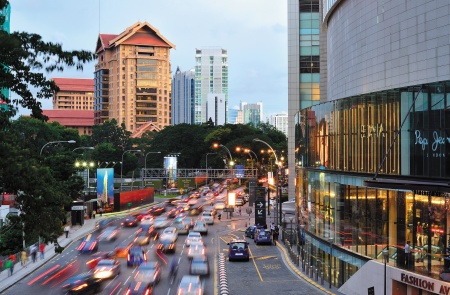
(251, 191)
(260, 205)
(78, 208)
(228, 209)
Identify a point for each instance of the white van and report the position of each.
(208, 217)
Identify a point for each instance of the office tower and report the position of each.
(232, 115)
(211, 76)
(183, 96)
(280, 122)
(371, 160)
(6, 13)
(215, 108)
(252, 113)
(74, 94)
(133, 82)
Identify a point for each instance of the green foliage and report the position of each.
(111, 132)
(11, 240)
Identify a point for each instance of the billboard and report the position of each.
(105, 185)
(170, 165)
(239, 171)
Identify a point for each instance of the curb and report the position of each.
(299, 273)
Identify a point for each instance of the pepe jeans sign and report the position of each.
(375, 130)
(436, 141)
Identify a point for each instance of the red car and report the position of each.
(92, 263)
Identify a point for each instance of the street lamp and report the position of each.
(207, 165)
(277, 196)
(121, 166)
(83, 148)
(145, 160)
(86, 166)
(331, 255)
(385, 257)
(52, 142)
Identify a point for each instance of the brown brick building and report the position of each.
(133, 78)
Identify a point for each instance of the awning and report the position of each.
(408, 185)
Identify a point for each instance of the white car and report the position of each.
(201, 227)
(208, 217)
(170, 233)
(190, 285)
(196, 249)
(193, 237)
(107, 269)
(161, 222)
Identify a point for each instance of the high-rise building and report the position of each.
(133, 82)
(74, 94)
(183, 96)
(211, 76)
(215, 108)
(370, 161)
(232, 115)
(280, 122)
(252, 113)
(6, 13)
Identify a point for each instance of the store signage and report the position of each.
(422, 283)
(375, 130)
(437, 140)
(78, 208)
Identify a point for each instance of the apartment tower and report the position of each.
(183, 93)
(211, 77)
(133, 82)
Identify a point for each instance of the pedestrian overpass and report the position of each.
(162, 173)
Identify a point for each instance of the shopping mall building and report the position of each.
(369, 139)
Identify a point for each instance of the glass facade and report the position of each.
(401, 137)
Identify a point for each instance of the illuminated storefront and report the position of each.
(372, 174)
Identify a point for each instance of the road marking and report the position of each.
(266, 257)
(271, 266)
(256, 267)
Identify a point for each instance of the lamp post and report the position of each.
(331, 255)
(86, 166)
(385, 257)
(121, 166)
(231, 163)
(145, 160)
(207, 165)
(52, 142)
(276, 176)
(83, 148)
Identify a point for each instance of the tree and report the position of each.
(111, 132)
(24, 56)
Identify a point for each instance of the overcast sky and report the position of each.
(253, 31)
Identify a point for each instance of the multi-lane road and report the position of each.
(265, 273)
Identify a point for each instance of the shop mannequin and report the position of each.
(419, 233)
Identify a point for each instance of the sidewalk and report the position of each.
(21, 272)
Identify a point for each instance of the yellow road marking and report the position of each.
(256, 267)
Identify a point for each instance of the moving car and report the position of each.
(199, 266)
(190, 285)
(96, 257)
(130, 222)
(149, 272)
(147, 219)
(193, 237)
(83, 283)
(263, 236)
(166, 246)
(136, 256)
(196, 249)
(208, 217)
(139, 288)
(170, 233)
(109, 234)
(201, 227)
(250, 231)
(161, 222)
(142, 238)
(238, 250)
(156, 210)
(88, 244)
(182, 228)
(121, 250)
(189, 221)
(149, 229)
(107, 269)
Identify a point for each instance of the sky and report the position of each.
(253, 31)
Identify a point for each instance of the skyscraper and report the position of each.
(183, 96)
(133, 82)
(252, 113)
(280, 122)
(211, 77)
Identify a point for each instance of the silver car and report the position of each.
(190, 285)
(107, 269)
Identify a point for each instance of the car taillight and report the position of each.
(147, 292)
(128, 257)
(82, 286)
(145, 257)
(81, 246)
(199, 291)
(128, 292)
(92, 246)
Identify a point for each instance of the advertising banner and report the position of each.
(105, 185)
